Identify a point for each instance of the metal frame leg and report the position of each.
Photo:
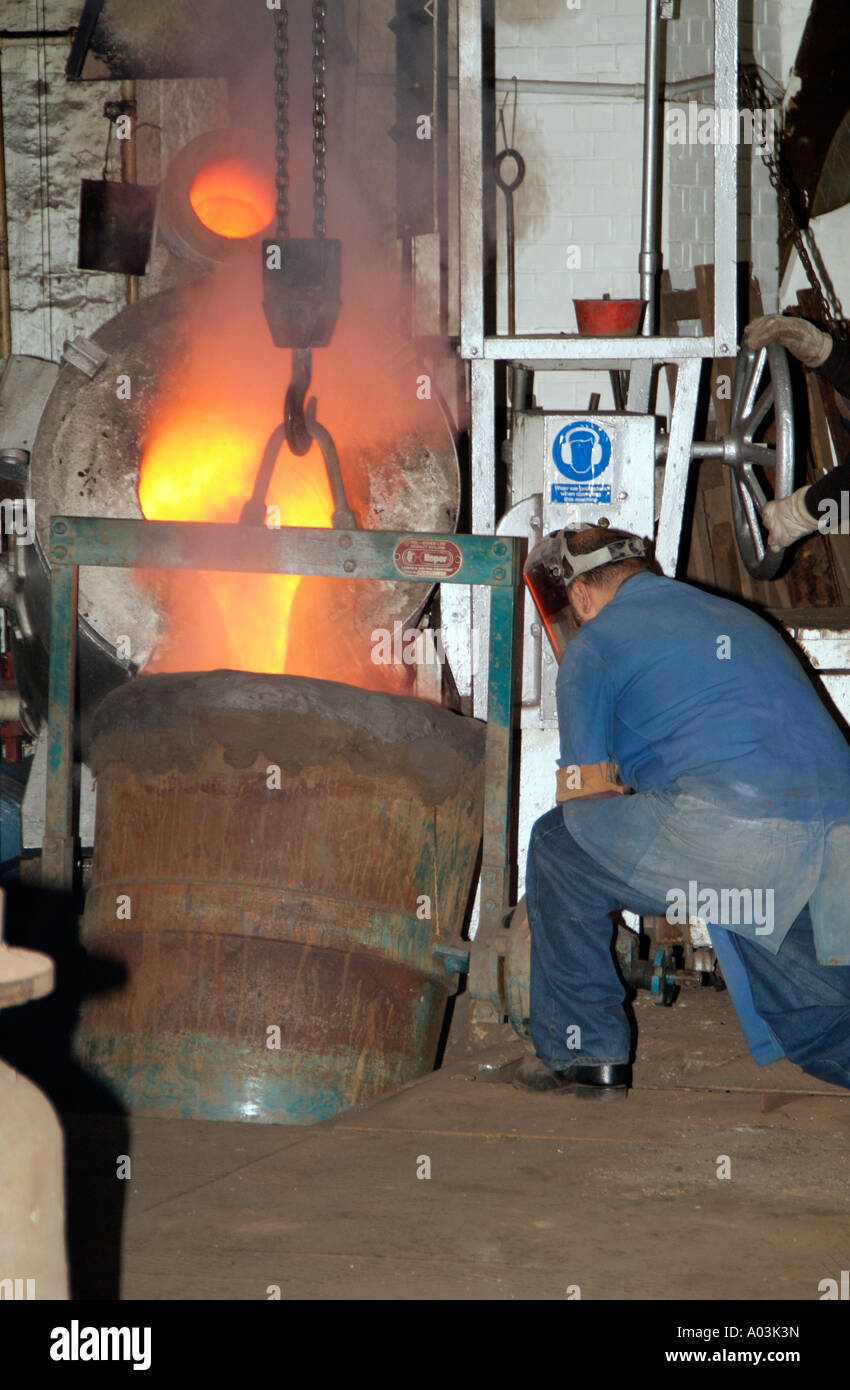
(482, 394)
(678, 465)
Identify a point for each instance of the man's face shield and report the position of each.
(551, 568)
(544, 574)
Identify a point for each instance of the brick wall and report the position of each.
(578, 213)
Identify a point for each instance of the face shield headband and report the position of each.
(632, 548)
(550, 569)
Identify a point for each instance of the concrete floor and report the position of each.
(527, 1196)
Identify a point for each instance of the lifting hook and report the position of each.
(297, 435)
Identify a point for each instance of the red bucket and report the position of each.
(609, 318)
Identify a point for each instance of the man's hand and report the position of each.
(788, 519)
(808, 344)
(588, 779)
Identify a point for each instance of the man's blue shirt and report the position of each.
(669, 682)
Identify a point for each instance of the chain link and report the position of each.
(281, 93)
(320, 198)
(829, 307)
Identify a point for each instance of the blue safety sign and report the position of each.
(582, 452)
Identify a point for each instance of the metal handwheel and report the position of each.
(759, 472)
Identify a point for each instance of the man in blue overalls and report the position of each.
(740, 815)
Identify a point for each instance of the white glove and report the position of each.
(809, 344)
(788, 519)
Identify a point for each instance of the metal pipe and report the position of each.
(5, 296)
(671, 91)
(649, 263)
(470, 136)
(725, 182)
(635, 91)
(129, 171)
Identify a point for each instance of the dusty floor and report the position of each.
(527, 1196)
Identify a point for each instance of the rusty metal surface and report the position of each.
(189, 1036)
(236, 906)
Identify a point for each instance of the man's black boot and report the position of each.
(598, 1081)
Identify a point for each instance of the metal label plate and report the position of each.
(420, 559)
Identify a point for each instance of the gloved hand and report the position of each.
(809, 344)
(788, 519)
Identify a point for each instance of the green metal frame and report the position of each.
(488, 560)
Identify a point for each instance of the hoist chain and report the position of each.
(319, 98)
(791, 214)
(281, 45)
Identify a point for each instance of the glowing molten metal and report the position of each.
(232, 199)
(220, 396)
(218, 459)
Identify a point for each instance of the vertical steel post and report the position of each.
(470, 123)
(496, 849)
(57, 856)
(482, 377)
(726, 178)
(650, 253)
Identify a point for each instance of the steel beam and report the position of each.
(207, 545)
(566, 349)
(725, 180)
(649, 262)
(483, 469)
(470, 120)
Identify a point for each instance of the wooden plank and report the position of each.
(822, 556)
(700, 565)
(730, 579)
(720, 367)
(669, 326)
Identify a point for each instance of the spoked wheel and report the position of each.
(759, 472)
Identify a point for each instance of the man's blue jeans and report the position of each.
(575, 984)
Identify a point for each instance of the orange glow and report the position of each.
(200, 465)
(218, 401)
(232, 198)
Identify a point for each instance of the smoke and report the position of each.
(222, 392)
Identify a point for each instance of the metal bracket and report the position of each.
(83, 354)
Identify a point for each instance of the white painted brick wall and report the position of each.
(688, 227)
(583, 157)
